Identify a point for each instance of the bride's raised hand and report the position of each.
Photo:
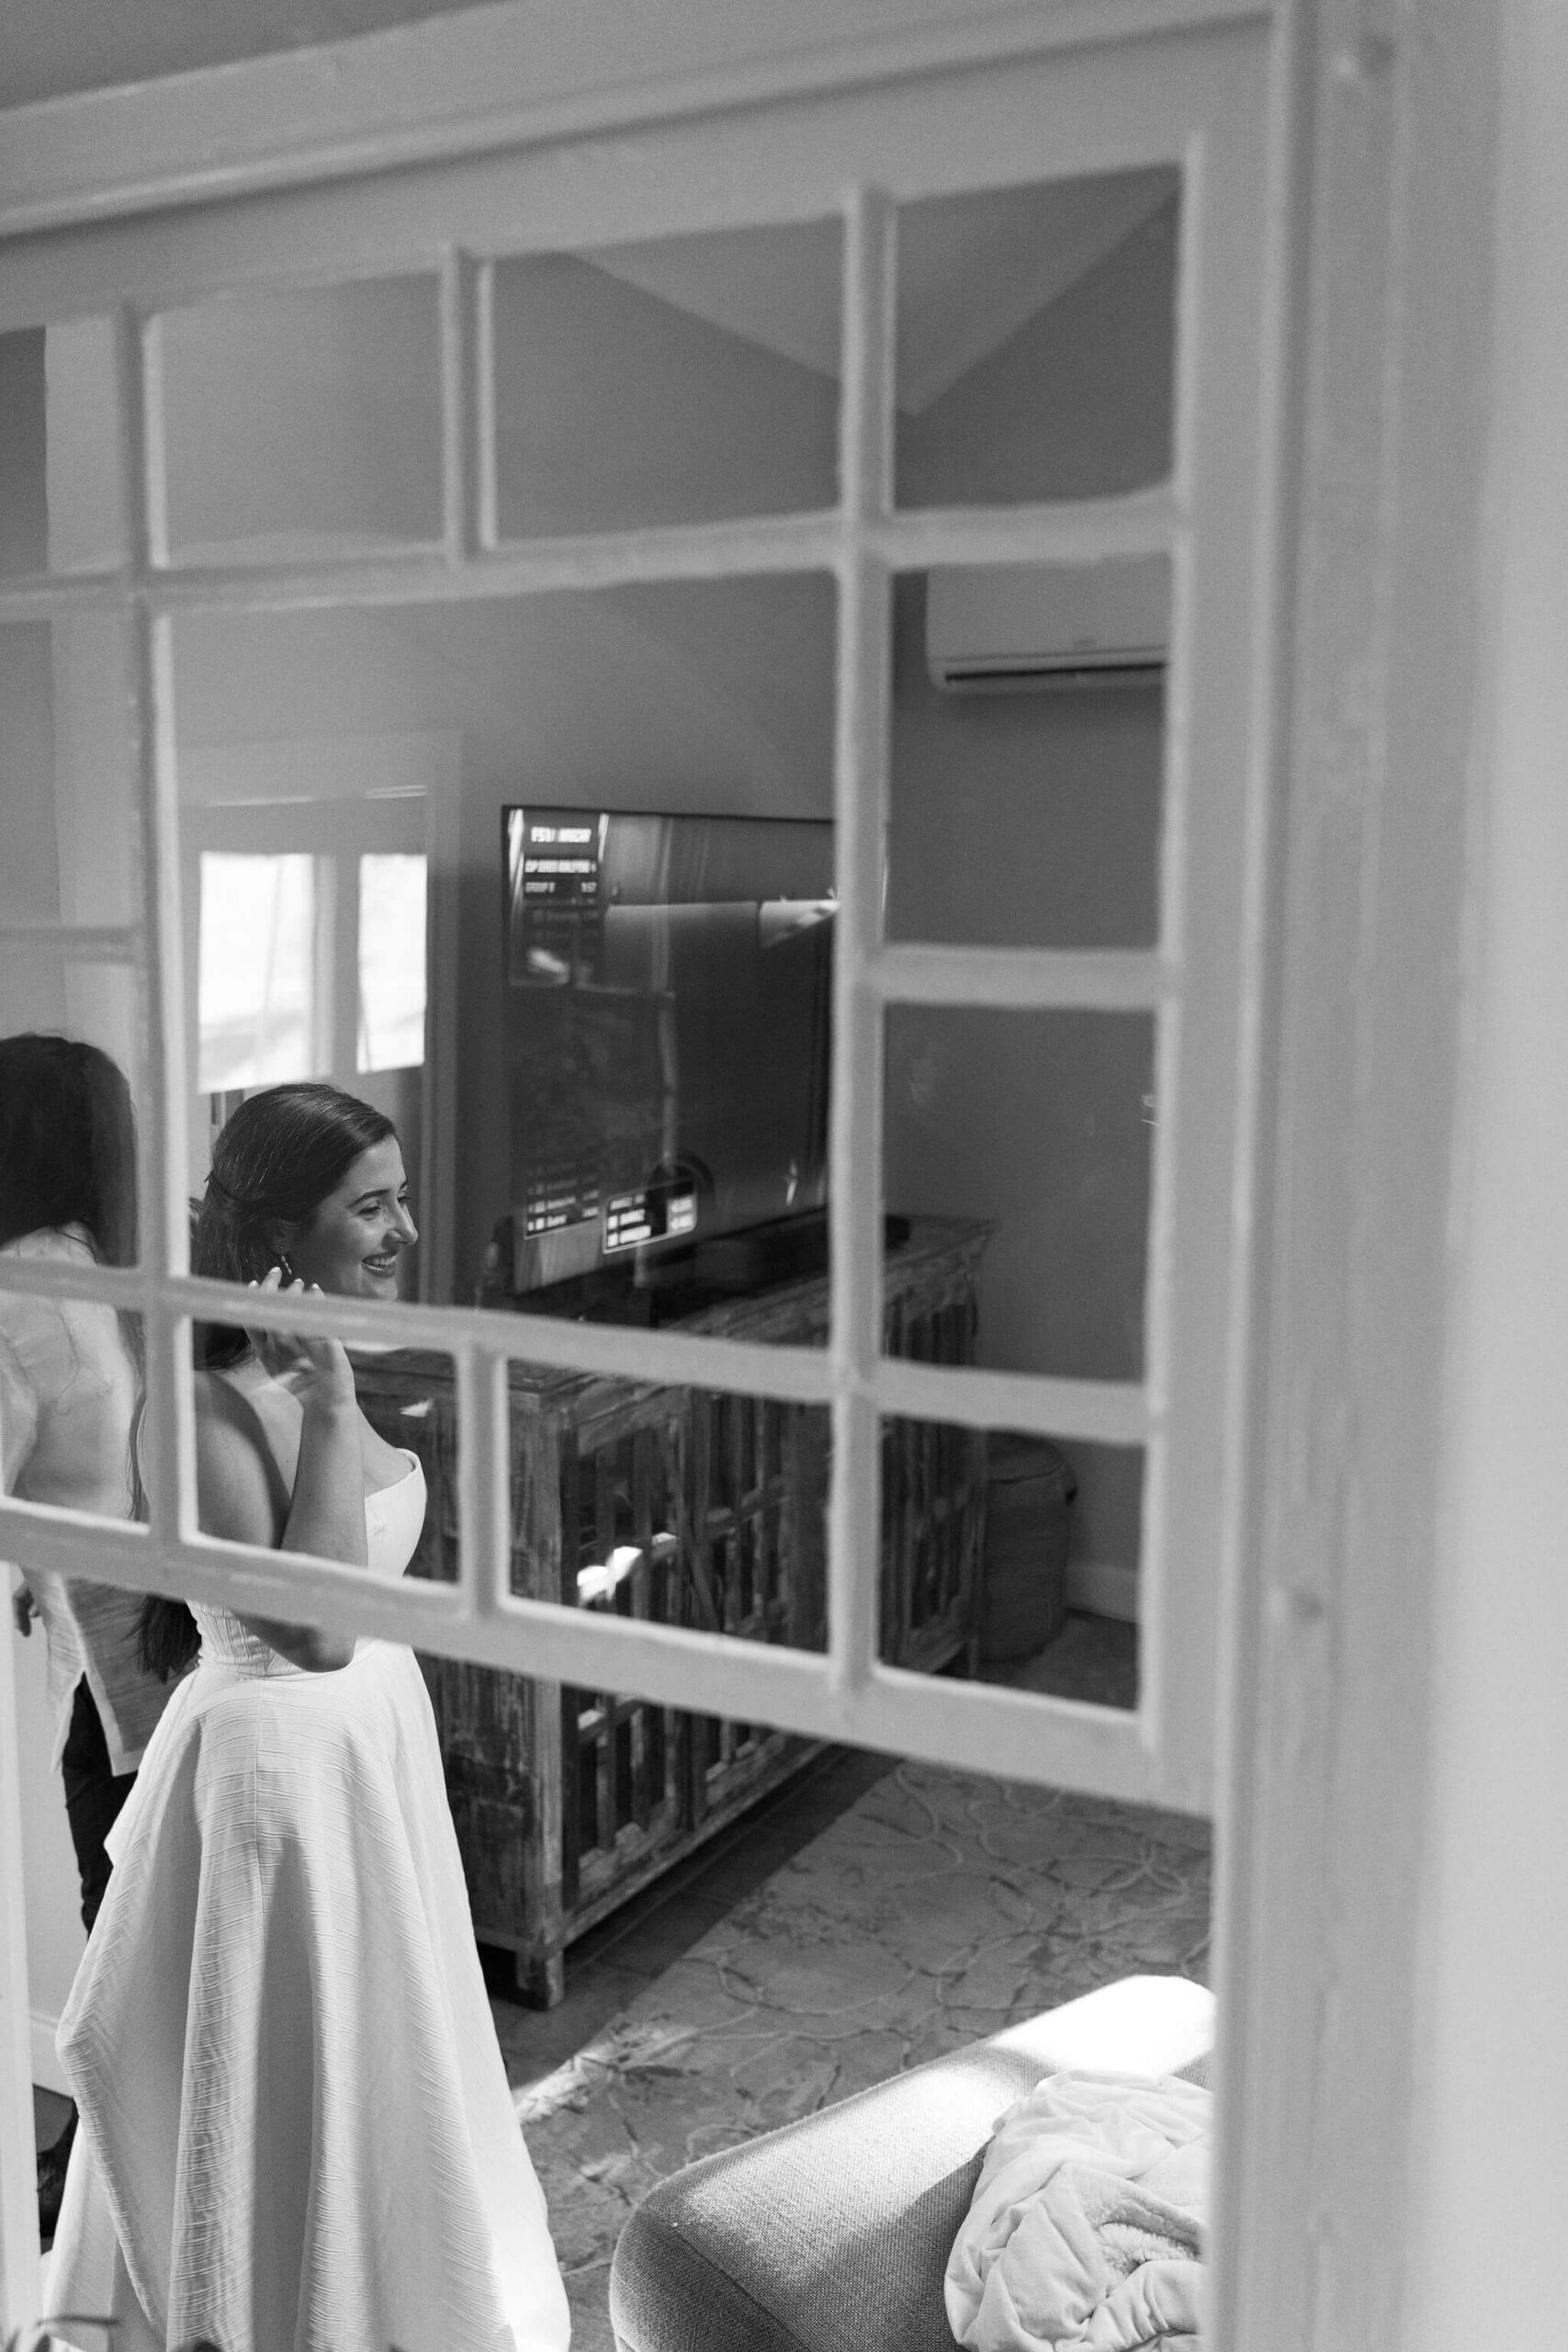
(317, 1370)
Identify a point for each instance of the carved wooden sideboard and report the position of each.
(693, 1508)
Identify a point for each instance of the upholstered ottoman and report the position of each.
(832, 2235)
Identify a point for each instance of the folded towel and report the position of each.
(1084, 2229)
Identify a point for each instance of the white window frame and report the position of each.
(1306, 2202)
(1197, 104)
(335, 835)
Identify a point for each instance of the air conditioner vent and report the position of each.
(1008, 628)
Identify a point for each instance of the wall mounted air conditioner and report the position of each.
(997, 629)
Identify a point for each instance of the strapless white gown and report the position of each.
(295, 2129)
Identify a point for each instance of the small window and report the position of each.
(257, 1003)
(392, 963)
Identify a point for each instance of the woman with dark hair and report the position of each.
(296, 2125)
(69, 1382)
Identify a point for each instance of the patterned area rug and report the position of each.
(938, 1908)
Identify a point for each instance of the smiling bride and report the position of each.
(297, 2132)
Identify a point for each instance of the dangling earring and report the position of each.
(284, 1267)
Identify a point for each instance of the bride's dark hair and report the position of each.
(279, 1156)
(274, 1163)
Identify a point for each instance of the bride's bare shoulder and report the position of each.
(222, 1404)
(240, 1481)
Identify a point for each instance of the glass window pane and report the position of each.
(1028, 756)
(257, 1001)
(1012, 1557)
(69, 839)
(1036, 340)
(681, 380)
(69, 831)
(666, 1013)
(61, 507)
(391, 962)
(305, 423)
(691, 724)
(49, 1009)
(1033, 1130)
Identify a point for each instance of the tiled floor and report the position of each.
(1093, 1658)
(616, 1961)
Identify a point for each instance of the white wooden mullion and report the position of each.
(167, 1438)
(335, 1013)
(144, 458)
(940, 130)
(1026, 978)
(1089, 530)
(1116, 1413)
(168, 1444)
(1212, 927)
(1077, 531)
(1170, 1692)
(864, 695)
(424, 93)
(461, 425)
(54, 596)
(415, 573)
(438, 1081)
(795, 1374)
(1008, 1734)
(484, 1485)
(486, 520)
(1063, 1743)
(116, 1285)
(1109, 1412)
(1088, 109)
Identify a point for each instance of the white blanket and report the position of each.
(1087, 2221)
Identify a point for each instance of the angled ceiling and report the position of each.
(971, 270)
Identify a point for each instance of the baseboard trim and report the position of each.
(48, 2072)
(1103, 1589)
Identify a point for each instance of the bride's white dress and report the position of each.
(295, 2129)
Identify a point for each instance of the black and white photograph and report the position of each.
(783, 1132)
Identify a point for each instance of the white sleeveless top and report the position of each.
(393, 1517)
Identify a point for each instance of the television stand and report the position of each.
(730, 1265)
(567, 1801)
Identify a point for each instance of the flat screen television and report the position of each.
(668, 990)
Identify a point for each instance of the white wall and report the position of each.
(1487, 2230)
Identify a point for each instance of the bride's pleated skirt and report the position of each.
(296, 2134)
